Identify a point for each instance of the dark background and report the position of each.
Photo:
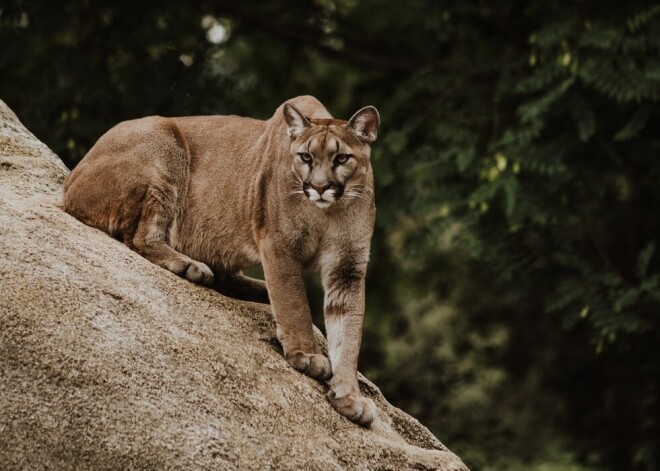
(513, 300)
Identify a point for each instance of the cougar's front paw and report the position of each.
(354, 407)
(198, 272)
(312, 364)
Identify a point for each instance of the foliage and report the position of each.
(514, 287)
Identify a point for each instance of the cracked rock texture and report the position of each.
(110, 362)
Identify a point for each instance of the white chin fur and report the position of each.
(322, 203)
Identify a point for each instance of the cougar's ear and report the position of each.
(365, 124)
(295, 121)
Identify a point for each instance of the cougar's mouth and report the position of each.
(323, 197)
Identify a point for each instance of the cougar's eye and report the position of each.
(342, 158)
(305, 157)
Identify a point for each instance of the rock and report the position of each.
(110, 362)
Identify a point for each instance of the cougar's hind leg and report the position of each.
(150, 240)
(239, 286)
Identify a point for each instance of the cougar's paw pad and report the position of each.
(197, 272)
(354, 407)
(312, 364)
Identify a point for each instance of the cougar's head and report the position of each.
(331, 156)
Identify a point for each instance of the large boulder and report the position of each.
(110, 362)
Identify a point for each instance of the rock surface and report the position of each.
(110, 362)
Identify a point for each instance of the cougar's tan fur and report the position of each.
(208, 196)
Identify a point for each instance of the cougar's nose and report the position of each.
(320, 188)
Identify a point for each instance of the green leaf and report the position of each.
(635, 125)
(510, 194)
(465, 158)
(644, 258)
(628, 298)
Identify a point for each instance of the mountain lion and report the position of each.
(207, 196)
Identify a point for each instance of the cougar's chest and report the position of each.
(305, 243)
(312, 245)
